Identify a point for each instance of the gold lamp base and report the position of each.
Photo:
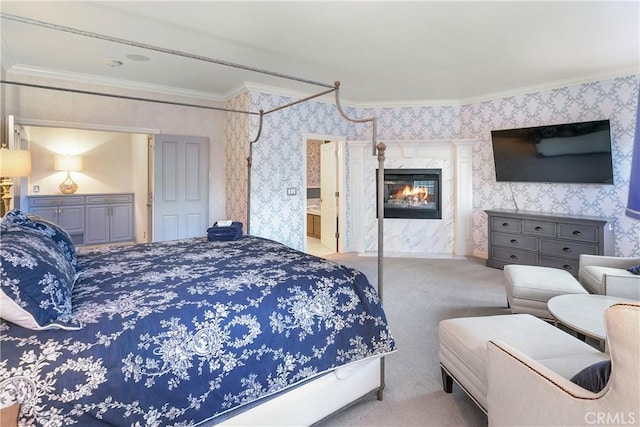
(68, 186)
(6, 185)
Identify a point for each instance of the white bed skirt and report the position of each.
(314, 400)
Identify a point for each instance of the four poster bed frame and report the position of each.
(323, 396)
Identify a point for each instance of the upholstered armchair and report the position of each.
(608, 275)
(523, 392)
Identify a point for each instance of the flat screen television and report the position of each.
(565, 153)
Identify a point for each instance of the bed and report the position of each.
(185, 332)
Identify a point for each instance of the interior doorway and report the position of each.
(324, 209)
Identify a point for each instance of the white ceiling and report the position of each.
(381, 52)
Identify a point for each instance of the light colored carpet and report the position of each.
(418, 293)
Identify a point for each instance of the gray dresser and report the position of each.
(88, 218)
(517, 237)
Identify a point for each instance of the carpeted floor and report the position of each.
(418, 293)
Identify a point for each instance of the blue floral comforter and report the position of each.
(178, 332)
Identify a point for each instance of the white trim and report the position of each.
(85, 126)
(341, 143)
(288, 93)
(557, 84)
(297, 94)
(27, 70)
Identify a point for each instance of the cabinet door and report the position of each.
(121, 222)
(71, 218)
(97, 224)
(50, 214)
(317, 226)
(309, 225)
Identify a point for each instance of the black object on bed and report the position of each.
(218, 232)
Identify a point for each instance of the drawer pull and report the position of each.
(538, 228)
(577, 233)
(514, 257)
(505, 224)
(514, 241)
(566, 250)
(566, 267)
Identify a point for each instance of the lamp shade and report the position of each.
(15, 163)
(67, 163)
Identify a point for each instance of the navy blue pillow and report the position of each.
(54, 231)
(36, 280)
(594, 377)
(635, 269)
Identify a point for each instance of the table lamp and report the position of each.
(68, 164)
(13, 163)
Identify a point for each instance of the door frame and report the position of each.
(341, 144)
(140, 204)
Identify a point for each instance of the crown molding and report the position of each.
(407, 104)
(25, 121)
(557, 84)
(25, 70)
(278, 91)
(501, 94)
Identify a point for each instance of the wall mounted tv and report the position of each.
(565, 153)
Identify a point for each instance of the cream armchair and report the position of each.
(608, 275)
(522, 392)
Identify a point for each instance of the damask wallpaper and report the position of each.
(313, 162)
(278, 156)
(277, 163)
(614, 99)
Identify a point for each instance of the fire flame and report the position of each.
(415, 194)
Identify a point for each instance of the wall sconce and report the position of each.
(13, 163)
(68, 164)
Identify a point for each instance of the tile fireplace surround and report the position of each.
(446, 237)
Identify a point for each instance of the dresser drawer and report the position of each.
(550, 240)
(514, 256)
(570, 265)
(539, 228)
(509, 225)
(56, 201)
(566, 249)
(583, 233)
(518, 242)
(109, 198)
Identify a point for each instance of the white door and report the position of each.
(180, 199)
(328, 197)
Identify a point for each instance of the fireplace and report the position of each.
(412, 193)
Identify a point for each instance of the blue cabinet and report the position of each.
(109, 218)
(90, 219)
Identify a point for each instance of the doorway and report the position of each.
(324, 185)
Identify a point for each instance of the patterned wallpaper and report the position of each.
(279, 153)
(313, 162)
(611, 99)
(236, 153)
(278, 164)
